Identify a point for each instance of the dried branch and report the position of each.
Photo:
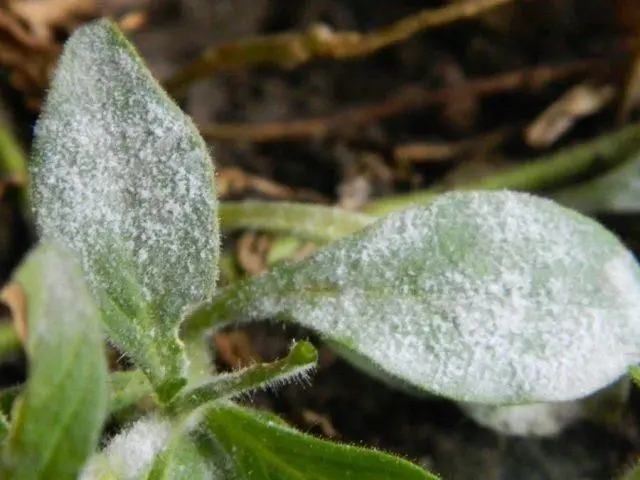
(292, 49)
(605, 152)
(415, 99)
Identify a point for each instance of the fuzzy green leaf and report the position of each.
(122, 176)
(489, 297)
(262, 447)
(57, 420)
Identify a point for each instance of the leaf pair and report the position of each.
(121, 178)
(237, 443)
(491, 297)
(497, 298)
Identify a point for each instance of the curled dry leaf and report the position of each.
(312, 419)
(235, 349)
(14, 297)
(252, 252)
(580, 101)
(28, 30)
(354, 193)
(29, 59)
(46, 16)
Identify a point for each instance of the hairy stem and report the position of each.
(302, 357)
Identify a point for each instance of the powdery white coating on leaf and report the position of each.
(120, 175)
(132, 452)
(540, 419)
(489, 297)
(55, 274)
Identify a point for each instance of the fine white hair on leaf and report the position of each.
(301, 374)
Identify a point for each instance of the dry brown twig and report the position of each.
(14, 297)
(235, 349)
(313, 419)
(293, 49)
(411, 99)
(426, 152)
(234, 181)
(29, 59)
(44, 17)
(581, 100)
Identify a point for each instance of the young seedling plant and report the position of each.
(493, 299)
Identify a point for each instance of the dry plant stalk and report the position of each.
(405, 101)
(14, 297)
(579, 101)
(292, 49)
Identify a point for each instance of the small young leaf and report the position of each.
(534, 419)
(616, 191)
(634, 372)
(121, 175)
(4, 427)
(302, 357)
(488, 297)
(633, 473)
(131, 453)
(151, 449)
(57, 420)
(264, 448)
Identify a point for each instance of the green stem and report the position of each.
(302, 357)
(605, 152)
(9, 341)
(4, 427)
(634, 373)
(13, 163)
(200, 361)
(632, 474)
(308, 221)
(126, 389)
(215, 313)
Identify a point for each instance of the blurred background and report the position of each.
(370, 105)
